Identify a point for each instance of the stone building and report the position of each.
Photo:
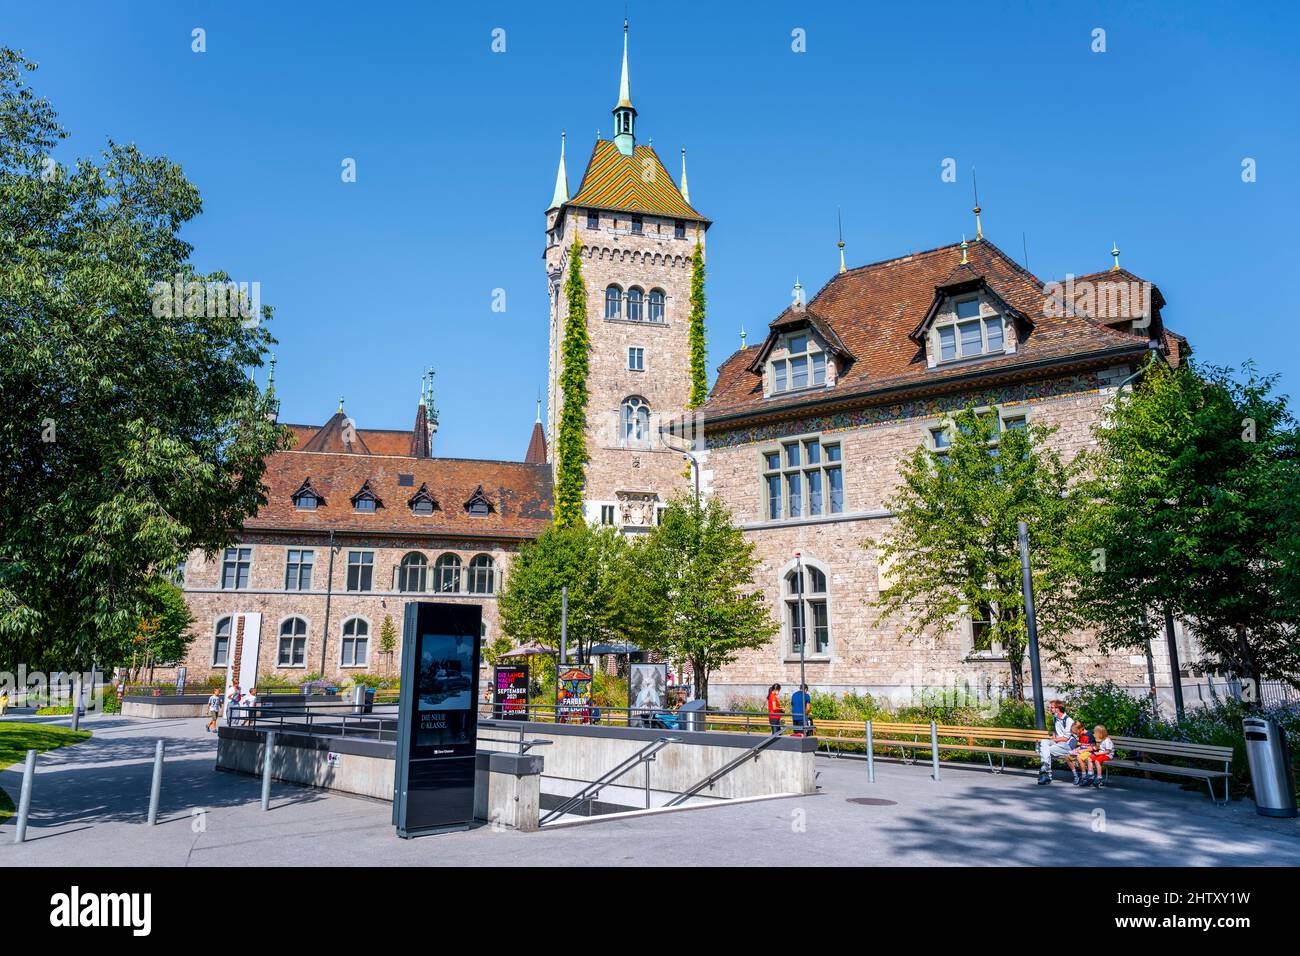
(358, 522)
(637, 231)
(806, 431)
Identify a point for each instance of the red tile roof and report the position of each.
(874, 310)
(636, 183)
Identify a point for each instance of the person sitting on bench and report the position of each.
(1094, 762)
(1058, 745)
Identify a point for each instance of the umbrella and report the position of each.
(527, 650)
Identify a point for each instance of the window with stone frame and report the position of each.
(446, 574)
(613, 302)
(803, 478)
(635, 415)
(361, 570)
(354, 649)
(593, 219)
(412, 573)
(679, 229)
(798, 363)
(655, 306)
(297, 569)
(806, 608)
(635, 301)
(221, 643)
(481, 575)
(939, 437)
(292, 649)
(980, 642)
(967, 333)
(236, 563)
(635, 358)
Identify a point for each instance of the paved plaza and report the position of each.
(90, 802)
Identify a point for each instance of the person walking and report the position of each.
(1058, 745)
(214, 710)
(232, 702)
(4, 701)
(800, 707)
(774, 708)
(248, 703)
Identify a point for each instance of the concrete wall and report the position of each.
(584, 753)
(163, 708)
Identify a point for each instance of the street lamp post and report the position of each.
(803, 619)
(1031, 623)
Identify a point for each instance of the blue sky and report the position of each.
(456, 148)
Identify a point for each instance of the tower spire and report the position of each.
(1114, 251)
(840, 218)
(979, 229)
(624, 111)
(686, 190)
(561, 194)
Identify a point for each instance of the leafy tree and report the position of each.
(1197, 471)
(954, 548)
(388, 639)
(162, 634)
(571, 443)
(603, 590)
(130, 437)
(699, 374)
(702, 607)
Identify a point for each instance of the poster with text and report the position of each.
(574, 706)
(444, 689)
(510, 692)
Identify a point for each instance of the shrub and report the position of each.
(1122, 713)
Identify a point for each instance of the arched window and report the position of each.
(293, 643)
(482, 575)
(805, 604)
(634, 299)
(636, 422)
(446, 574)
(221, 643)
(356, 642)
(656, 313)
(613, 302)
(411, 575)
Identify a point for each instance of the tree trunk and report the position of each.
(701, 678)
(1017, 665)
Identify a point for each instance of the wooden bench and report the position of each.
(1144, 750)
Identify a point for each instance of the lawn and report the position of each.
(16, 739)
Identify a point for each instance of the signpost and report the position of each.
(510, 692)
(433, 784)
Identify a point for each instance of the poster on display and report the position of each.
(433, 782)
(647, 687)
(574, 704)
(510, 692)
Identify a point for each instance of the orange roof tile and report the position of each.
(636, 183)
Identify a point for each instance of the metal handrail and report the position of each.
(591, 791)
(751, 754)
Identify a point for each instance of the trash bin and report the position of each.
(690, 716)
(1270, 767)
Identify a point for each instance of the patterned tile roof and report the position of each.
(637, 183)
(875, 309)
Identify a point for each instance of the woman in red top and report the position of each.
(774, 707)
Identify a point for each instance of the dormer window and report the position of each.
(365, 501)
(306, 498)
(422, 502)
(478, 506)
(967, 334)
(802, 366)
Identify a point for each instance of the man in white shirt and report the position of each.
(1057, 745)
(248, 703)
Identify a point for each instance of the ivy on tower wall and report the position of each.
(571, 442)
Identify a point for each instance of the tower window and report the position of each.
(636, 422)
(635, 299)
(607, 514)
(593, 219)
(637, 225)
(613, 302)
(679, 229)
(636, 359)
(656, 303)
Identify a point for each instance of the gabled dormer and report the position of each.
(423, 502)
(365, 500)
(968, 321)
(479, 505)
(307, 498)
(801, 353)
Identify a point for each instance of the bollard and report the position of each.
(76, 704)
(25, 797)
(934, 750)
(871, 756)
(155, 789)
(266, 770)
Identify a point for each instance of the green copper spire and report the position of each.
(624, 111)
(561, 195)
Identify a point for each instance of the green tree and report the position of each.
(593, 563)
(1196, 472)
(699, 374)
(571, 443)
(130, 437)
(162, 635)
(953, 549)
(388, 639)
(702, 606)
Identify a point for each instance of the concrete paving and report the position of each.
(90, 802)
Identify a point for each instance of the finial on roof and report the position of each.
(964, 260)
(686, 190)
(979, 229)
(624, 111)
(430, 409)
(270, 377)
(840, 218)
(1114, 251)
(340, 403)
(539, 406)
(743, 336)
(561, 194)
(797, 291)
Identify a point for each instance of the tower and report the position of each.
(638, 232)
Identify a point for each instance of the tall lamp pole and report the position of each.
(803, 620)
(1031, 623)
